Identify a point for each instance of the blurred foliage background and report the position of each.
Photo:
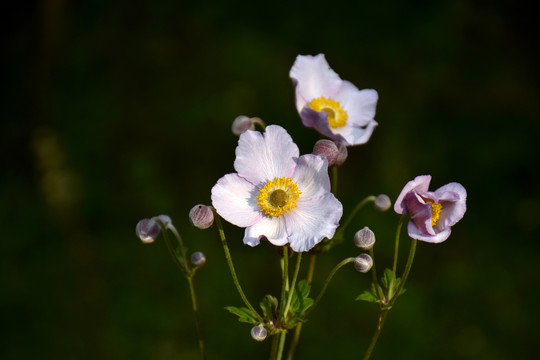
(115, 111)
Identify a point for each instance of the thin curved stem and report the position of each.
(357, 208)
(330, 276)
(374, 275)
(298, 329)
(231, 266)
(386, 309)
(293, 284)
(396, 246)
(282, 337)
(375, 336)
(196, 313)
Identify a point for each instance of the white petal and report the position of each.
(313, 77)
(356, 135)
(312, 221)
(261, 158)
(234, 199)
(359, 104)
(273, 229)
(415, 233)
(311, 176)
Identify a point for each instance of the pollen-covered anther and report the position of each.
(278, 196)
(436, 209)
(337, 116)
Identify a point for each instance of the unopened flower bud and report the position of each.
(201, 216)
(328, 149)
(342, 154)
(363, 263)
(364, 239)
(165, 219)
(382, 202)
(244, 123)
(147, 230)
(198, 259)
(258, 333)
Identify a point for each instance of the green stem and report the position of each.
(281, 344)
(293, 284)
(330, 276)
(284, 283)
(196, 312)
(231, 266)
(386, 309)
(402, 220)
(298, 329)
(274, 347)
(375, 336)
(408, 266)
(259, 122)
(183, 267)
(357, 208)
(374, 275)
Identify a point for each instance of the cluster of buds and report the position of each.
(335, 152)
(364, 239)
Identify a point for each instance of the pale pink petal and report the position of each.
(453, 201)
(319, 121)
(271, 228)
(234, 199)
(313, 78)
(260, 158)
(311, 176)
(417, 234)
(312, 221)
(420, 183)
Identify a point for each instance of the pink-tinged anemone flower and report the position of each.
(432, 213)
(276, 194)
(333, 107)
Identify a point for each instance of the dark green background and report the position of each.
(116, 111)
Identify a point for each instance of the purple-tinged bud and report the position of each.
(363, 263)
(201, 216)
(165, 219)
(328, 149)
(342, 154)
(364, 239)
(147, 230)
(382, 202)
(198, 259)
(244, 123)
(258, 333)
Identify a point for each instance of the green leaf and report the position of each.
(367, 296)
(244, 314)
(300, 300)
(387, 278)
(269, 305)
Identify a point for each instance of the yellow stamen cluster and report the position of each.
(436, 209)
(278, 196)
(337, 116)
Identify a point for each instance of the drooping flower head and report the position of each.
(333, 107)
(432, 213)
(276, 194)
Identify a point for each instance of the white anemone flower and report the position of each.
(276, 194)
(333, 107)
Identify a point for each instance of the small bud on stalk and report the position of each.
(244, 123)
(198, 259)
(201, 216)
(147, 230)
(342, 154)
(364, 239)
(363, 263)
(166, 220)
(258, 333)
(382, 202)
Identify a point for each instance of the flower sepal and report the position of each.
(383, 295)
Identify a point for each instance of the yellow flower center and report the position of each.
(278, 196)
(436, 209)
(337, 116)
